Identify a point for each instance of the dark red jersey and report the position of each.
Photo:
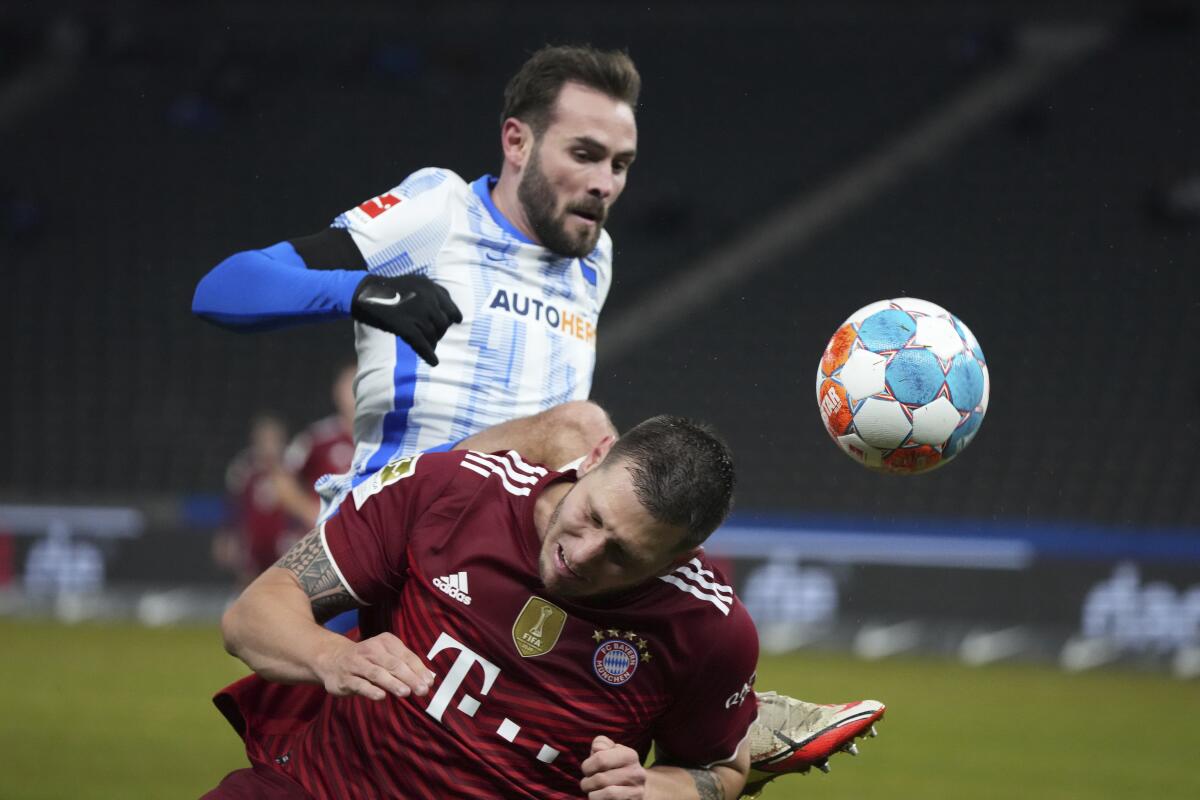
(267, 529)
(324, 448)
(443, 550)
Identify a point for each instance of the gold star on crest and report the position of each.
(630, 636)
(598, 636)
(613, 633)
(642, 646)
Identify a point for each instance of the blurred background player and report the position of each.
(522, 261)
(324, 448)
(262, 527)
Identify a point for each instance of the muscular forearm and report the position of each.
(678, 783)
(271, 628)
(721, 782)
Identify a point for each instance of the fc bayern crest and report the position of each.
(615, 661)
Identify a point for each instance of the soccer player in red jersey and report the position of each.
(322, 451)
(525, 633)
(264, 528)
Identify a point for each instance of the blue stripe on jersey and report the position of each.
(589, 274)
(556, 278)
(560, 377)
(559, 386)
(464, 423)
(516, 360)
(416, 252)
(482, 187)
(500, 351)
(395, 422)
(391, 265)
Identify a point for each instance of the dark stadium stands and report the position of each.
(184, 135)
(1036, 233)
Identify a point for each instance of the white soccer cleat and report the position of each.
(794, 736)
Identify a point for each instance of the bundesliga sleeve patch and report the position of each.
(391, 472)
(377, 205)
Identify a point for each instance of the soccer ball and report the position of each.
(902, 386)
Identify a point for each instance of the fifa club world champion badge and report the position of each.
(538, 627)
(618, 655)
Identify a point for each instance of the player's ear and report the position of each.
(595, 456)
(516, 140)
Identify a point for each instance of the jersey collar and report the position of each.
(482, 187)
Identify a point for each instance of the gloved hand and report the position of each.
(410, 306)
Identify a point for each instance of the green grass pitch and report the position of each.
(118, 711)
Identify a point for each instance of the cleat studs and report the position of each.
(851, 748)
(824, 767)
(874, 732)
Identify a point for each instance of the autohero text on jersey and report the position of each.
(568, 322)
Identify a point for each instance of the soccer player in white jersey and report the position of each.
(477, 304)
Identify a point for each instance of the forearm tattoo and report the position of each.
(707, 785)
(308, 562)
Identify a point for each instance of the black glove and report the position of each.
(410, 306)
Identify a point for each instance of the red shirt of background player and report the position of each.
(443, 550)
(324, 448)
(267, 529)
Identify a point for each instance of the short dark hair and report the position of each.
(531, 93)
(682, 473)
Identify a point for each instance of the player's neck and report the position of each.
(504, 195)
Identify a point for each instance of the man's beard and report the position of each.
(539, 201)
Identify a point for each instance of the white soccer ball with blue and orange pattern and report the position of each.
(902, 386)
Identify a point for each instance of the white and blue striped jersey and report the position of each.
(527, 340)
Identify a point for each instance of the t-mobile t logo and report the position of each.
(467, 658)
(457, 674)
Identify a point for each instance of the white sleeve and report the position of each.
(402, 230)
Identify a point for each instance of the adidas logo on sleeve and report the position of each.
(454, 585)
